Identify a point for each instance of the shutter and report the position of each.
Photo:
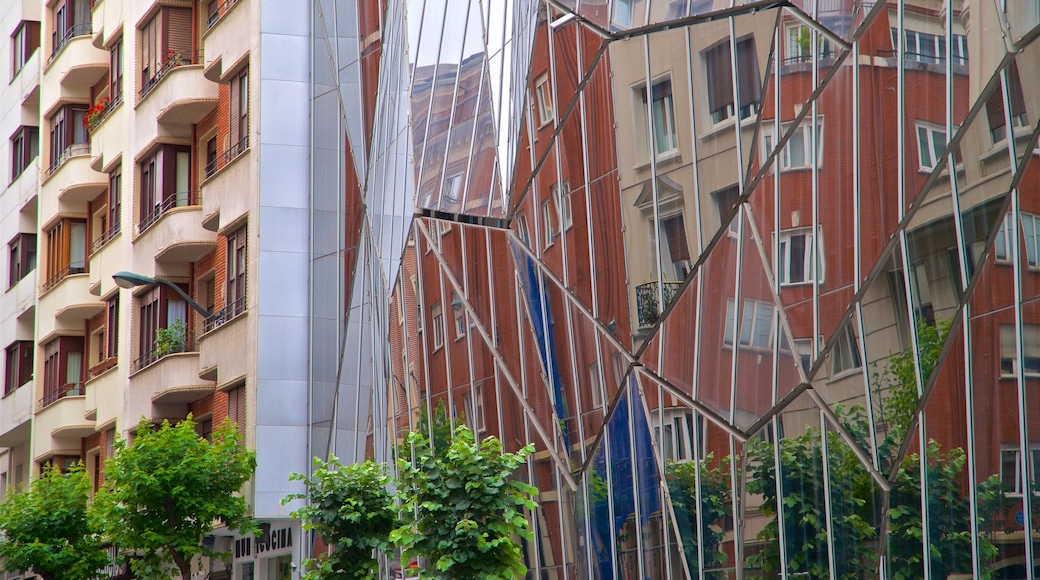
(720, 89)
(168, 174)
(1018, 100)
(747, 72)
(33, 39)
(995, 107)
(675, 231)
(178, 39)
(233, 108)
(25, 363)
(237, 409)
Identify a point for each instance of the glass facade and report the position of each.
(758, 279)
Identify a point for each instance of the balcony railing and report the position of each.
(186, 345)
(216, 10)
(95, 118)
(97, 243)
(225, 314)
(173, 60)
(178, 199)
(647, 308)
(53, 395)
(807, 56)
(221, 160)
(82, 29)
(103, 366)
(924, 58)
(70, 151)
(54, 280)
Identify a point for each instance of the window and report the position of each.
(921, 292)
(71, 19)
(115, 200)
(164, 183)
(549, 219)
(68, 134)
(24, 42)
(25, 146)
(930, 48)
(474, 404)
(236, 273)
(756, 325)
(797, 153)
(438, 325)
(22, 253)
(459, 313)
(803, 346)
(725, 200)
(1012, 476)
(166, 42)
(622, 12)
(19, 369)
(796, 264)
(211, 156)
(673, 430)
(931, 141)
(161, 308)
(662, 119)
(1000, 246)
(115, 72)
(112, 324)
(62, 368)
(522, 231)
(1009, 351)
(995, 105)
(1031, 232)
(718, 65)
(562, 198)
(239, 125)
(675, 252)
(545, 100)
(799, 44)
(237, 410)
(66, 250)
(845, 356)
(452, 191)
(596, 382)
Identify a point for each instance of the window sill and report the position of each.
(1001, 147)
(807, 283)
(854, 371)
(1029, 377)
(666, 157)
(721, 126)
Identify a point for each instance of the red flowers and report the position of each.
(95, 114)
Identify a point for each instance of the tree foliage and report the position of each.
(351, 508)
(713, 507)
(163, 493)
(46, 528)
(463, 508)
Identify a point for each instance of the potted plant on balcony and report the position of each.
(95, 114)
(171, 339)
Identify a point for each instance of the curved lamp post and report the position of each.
(131, 280)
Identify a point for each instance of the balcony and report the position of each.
(105, 400)
(52, 396)
(179, 199)
(647, 307)
(59, 418)
(187, 346)
(174, 61)
(20, 297)
(224, 315)
(70, 152)
(66, 293)
(15, 413)
(80, 31)
(106, 236)
(175, 104)
(27, 81)
(225, 177)
(172, 233)
(60, 276)
(27, 183)
(222, 38)
(166, 378)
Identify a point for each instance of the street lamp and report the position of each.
(131, 280)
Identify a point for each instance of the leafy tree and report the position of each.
(46, 528)
(351, 507)
(463, 508)
(713, 507)
(163, 493)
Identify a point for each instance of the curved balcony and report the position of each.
(105, 383)
(222, 38)
(66, 293)
(166, 378)
(27, 183)
(77, 62)
(647, 307)
(20, 297)
(172, 233)
(108, 132)
(59, 416)
(225, 177)
(67, 175)
(28, 80)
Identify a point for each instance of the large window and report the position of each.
(66, 250)
(796, 264)
(19, 369)
(164, 183)
(756, 325)
(115, 72)
(661, 123)
(166, 42)
(797, 153)
(931, 48)
(1012, 474)
(995, 105)
(239, 110)
(24, 42)
(1009, 350)
(25, 146)
(161, 308)
(719, 66)
(22, 253)
(71, 19)
(236, 273)
(62, 368)
(68, 134)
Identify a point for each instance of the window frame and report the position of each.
(22, 352)
(1008, 354)
(24, 246)
(748, 339)
(785, 156)
(845, 356)
(932, 131)
(721, 108)
(25, 147)
(680, 428)
(437, 319)
(25, 41)
(56, 368)
(1017, 487)
(563, 203)
(543, 95)
(1031, 238)
(551, 229)
(237, 272)
(474, 409)
(811, 273)
(459, 317)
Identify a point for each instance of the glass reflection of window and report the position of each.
(725, 199)
(622, 12)
(1030, 349)
(931, 141)
(799, 44)
(1000, 247)
(931, 48)
(805, 352)
(437, 317)
(545, 100)
(460, 316)
(1031, 232)
(675, 252)
(596, 383)
(522, 230)
(662, 120)
(846, 353)
(796, 265)
(1011, 473)
(673, 431)
(995, 105)
(719, 68)
(549, 219)
(452, 189)
(756, 325)
(797, 152)
(474, 406)
(562, 197)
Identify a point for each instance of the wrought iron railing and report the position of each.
(222, 159)
(70, 151)
(924, 58)
(74, 31)
(105, 236)
(178, 199)
(807, 56)
(54, 394)
(55, 279)
(154, 355)
(647, 307)
(110, 105)
(224, 314)
(173, 60)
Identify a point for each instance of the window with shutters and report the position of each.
(1009, 364)
(22, 253)
(115, 72)
(719, 66)
(165, 44)
(657, 124)
(725, 201)
(24, 42)
(66, 251)
(239, 115)
(70, 18)
(995, 106)
(25, 146)
(68, 135)
(19, 369)
(165, 184)
(795, 263)
(237, 410)
(236, 273)
(675, 249)
(62, 369)
(157, 309)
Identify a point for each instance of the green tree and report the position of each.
(163, 493)
(46, 528)
(464, 508)
(352, 509)
(713, 507)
